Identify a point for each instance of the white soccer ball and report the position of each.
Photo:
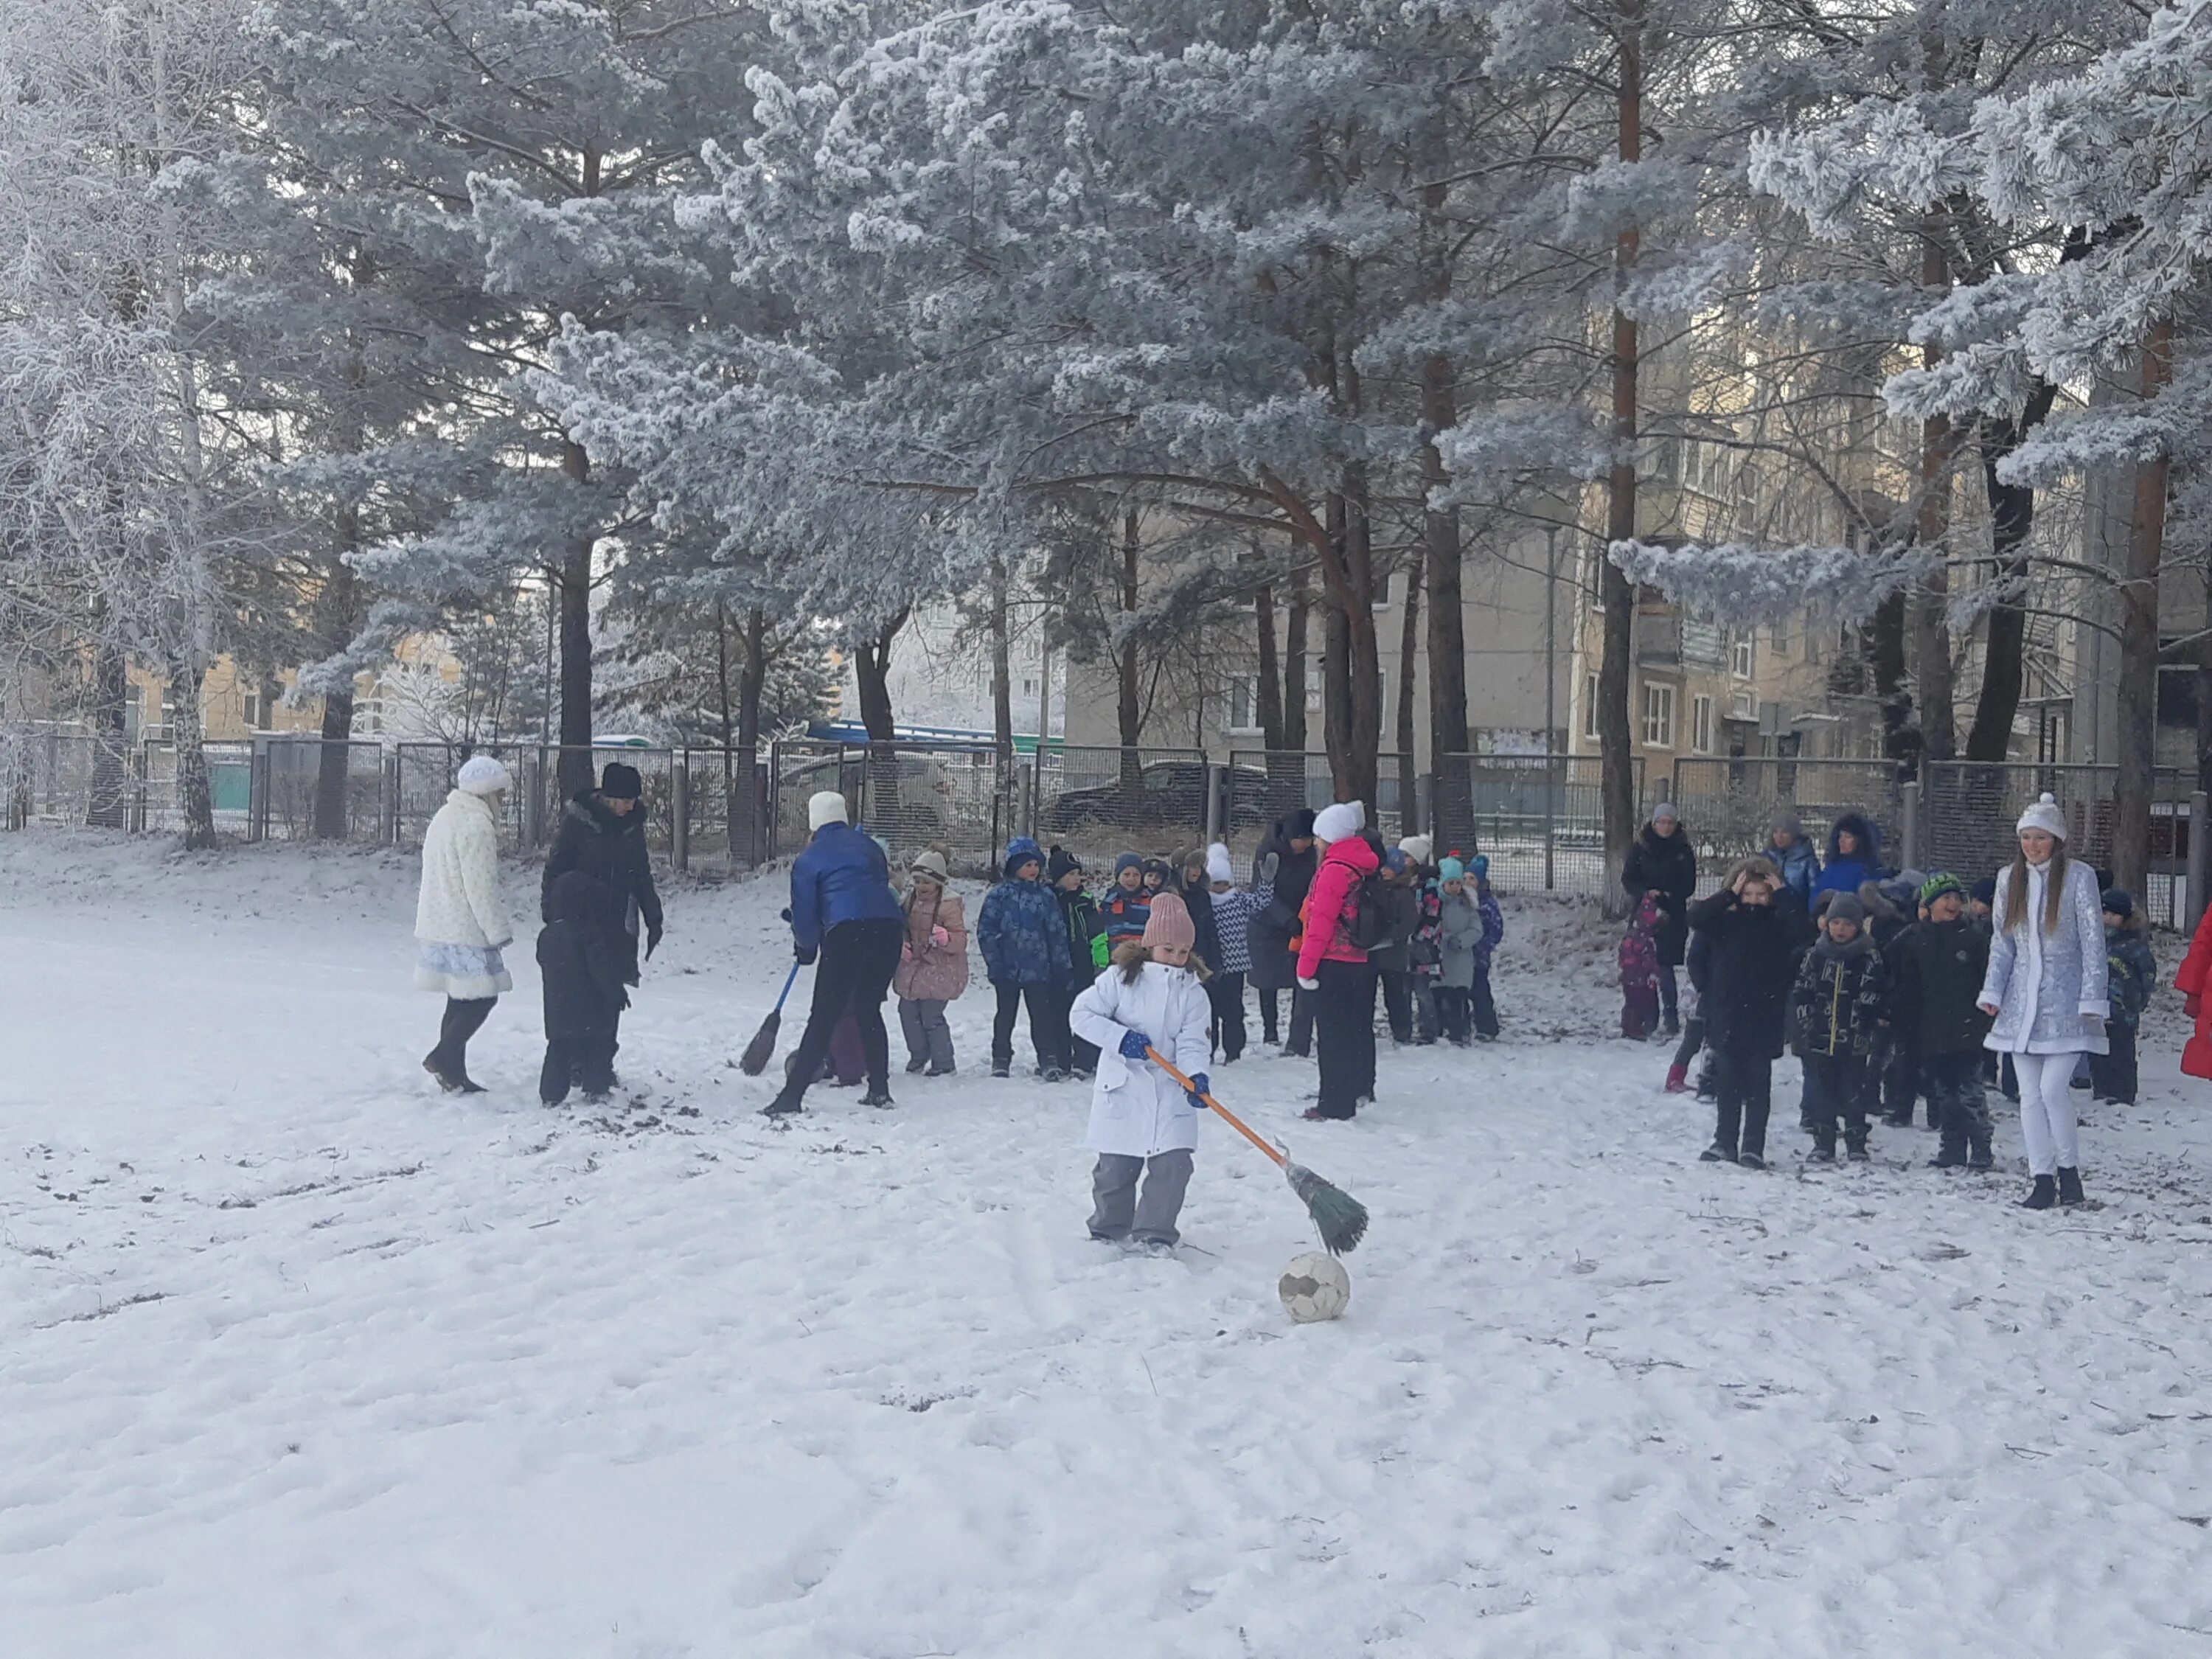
(1314, 1287)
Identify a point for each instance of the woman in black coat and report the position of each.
(1291, 844)
(1663, 864)
(602, 836)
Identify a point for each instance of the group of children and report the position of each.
(1880, 991)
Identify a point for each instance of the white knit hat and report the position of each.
(1337, 823)
(1417, 847)
(825, 806)
(2045, 816)
(480, 774)
(1218, 866)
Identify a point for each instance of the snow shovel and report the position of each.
(1341, 1219)
(762, 1049)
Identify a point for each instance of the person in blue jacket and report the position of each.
(1794, 856)
(1029, 954)
(844, 913)
(1853, 857)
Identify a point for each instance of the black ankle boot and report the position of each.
(2069, 1186)
(1953, 1155)
(1979, 1158)
(2044, 1195)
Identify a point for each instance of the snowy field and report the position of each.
(302, 1357)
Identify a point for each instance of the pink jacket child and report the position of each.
(1640, 972)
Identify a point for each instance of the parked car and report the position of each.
(1169, 793)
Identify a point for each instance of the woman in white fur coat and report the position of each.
(2045, 990)
(459, 920)
(1142, 1123)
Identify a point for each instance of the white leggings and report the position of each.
(2046, 1111)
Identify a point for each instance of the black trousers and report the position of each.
(1900, 1084)
(1956, 1091)
(1452, 1012)
(1225, 994)
(1082, 1057)
(1743, 1089)
(1835, 1090)
(1398, 1003)
(1049, 1006)
(1298, 1040)
(853, 973)
(1694, 1038)
(462, 1020)
(1344, 1032)
(2113, 1076)
(585, 1059)
(1481, 1004)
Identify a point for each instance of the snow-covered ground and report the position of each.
(301, 1357)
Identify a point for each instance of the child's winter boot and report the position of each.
(2044, 1194)
(1855, 1142)
(2069, 1186)
(1979, 1157)
(1717, 1153)
(1678, 1079)
(1953, 1154)
(1824, 1145)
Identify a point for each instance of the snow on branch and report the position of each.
(1744, 585)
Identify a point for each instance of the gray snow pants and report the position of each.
(928, 1038)
(1120, 1213)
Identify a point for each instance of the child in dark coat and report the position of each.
(583, 967)
(2131, 972)
(1086, 943)
(1938, 968)
(1640, 972)
(1751, 949)
(1836, 1024)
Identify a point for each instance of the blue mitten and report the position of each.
(1200, 1086)
(1133, 1044)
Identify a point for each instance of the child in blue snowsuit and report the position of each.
(1023, 934)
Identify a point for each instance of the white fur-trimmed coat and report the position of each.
(459, 917)
(2043, 983)
(1136, 1108)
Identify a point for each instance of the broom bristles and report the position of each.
(762, 1049)
(1341, 1219)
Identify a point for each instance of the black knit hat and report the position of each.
(1984, 891)
(1060, 862)
(620, 783)
(2119, 903)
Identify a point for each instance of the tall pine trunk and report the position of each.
(2137, 701)
(1931, 631)
(1617, 762)
(1294, 621)
(1448, 741)
(1409, 644)
(574, 769)
(337, 616)
(1270, 691)
(1128, 704)
(2012, 521)
(195, 792)
(1002, 697)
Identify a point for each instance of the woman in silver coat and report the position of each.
(2045, 989)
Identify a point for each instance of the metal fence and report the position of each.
(1100, 801)
(1539, 820)
(1969, 808)
(1265, 784)
(1729, 805)
(914, 795)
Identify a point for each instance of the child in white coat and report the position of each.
(1142, 1122)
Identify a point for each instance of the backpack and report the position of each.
(1369, 928)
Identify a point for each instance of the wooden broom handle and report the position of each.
(1229, 1117)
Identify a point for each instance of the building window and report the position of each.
(1701, 725)
(1741, 645)
(1381, 594)
(1658, 716)
(1589, 707)
(1778, 638)
(1241, 703)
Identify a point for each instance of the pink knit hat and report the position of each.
(1171, 924)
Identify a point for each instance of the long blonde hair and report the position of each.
(2054, 889)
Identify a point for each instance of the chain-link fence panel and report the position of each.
(1730, 804)
(1969, 809)
(729, 807)
(315, 790)
(1539, 820)
(230, 768)
(912, 795)
(68, 778)
(425, 777)
(1099, 802)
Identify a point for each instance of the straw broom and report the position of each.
(1341, 1219)
(762, 1049)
